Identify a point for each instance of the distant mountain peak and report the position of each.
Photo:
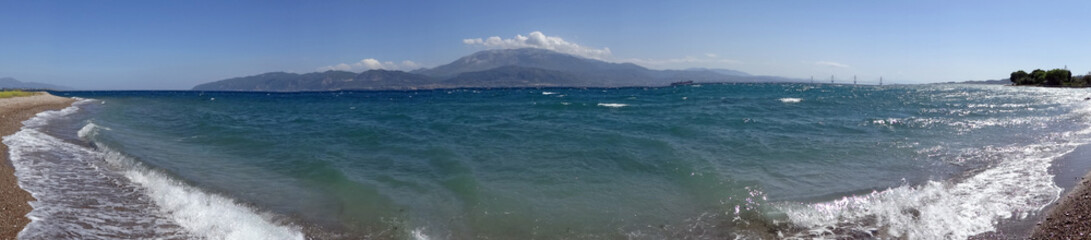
(522, 67)
(489, 59)
(594, 72)
(9, 82)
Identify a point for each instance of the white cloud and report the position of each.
(537, 39)
(831, 64)
(410, 65)
(371, 64)
(339, 67)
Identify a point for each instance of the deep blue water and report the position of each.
(701, 162)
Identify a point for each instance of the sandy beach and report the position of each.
(13, 111)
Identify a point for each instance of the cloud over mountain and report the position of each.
(537, 39)
(494, 68)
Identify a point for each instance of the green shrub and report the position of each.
(15, 93)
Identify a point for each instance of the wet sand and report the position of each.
(1070, 218)
(1072, 173)
(13, 204)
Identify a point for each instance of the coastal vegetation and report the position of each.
(14, 93)
(1052, 78)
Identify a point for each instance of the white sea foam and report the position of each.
(548, 93)
(613, 105)
(89, 129)
(791, 100)
(201, 213)
(42, 118)
(1018, 185)
(418, 234)
(1015, 188)
(100, 193)
(75, 198)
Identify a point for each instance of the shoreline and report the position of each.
(13, 111)
(1070, 216)
(1071, 172)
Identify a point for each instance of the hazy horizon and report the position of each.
(176, 45)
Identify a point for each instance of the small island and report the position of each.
(1052, 78)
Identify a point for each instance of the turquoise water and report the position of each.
(700, 162)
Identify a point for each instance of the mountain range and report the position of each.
(503, 68)
(8, 82)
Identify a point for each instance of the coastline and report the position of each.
(1074, 164)
(13, 111)
(1071, 172)
(1070, 216)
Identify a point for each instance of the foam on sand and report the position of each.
(202, 213)
(958, 209)
(76, 197)
(91, 193)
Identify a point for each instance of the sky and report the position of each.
(178, 44)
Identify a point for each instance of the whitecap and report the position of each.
(791, 100)
(613, 105)
(87, 130)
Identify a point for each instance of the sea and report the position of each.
(703, 161)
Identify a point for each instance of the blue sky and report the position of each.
(178, 44)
